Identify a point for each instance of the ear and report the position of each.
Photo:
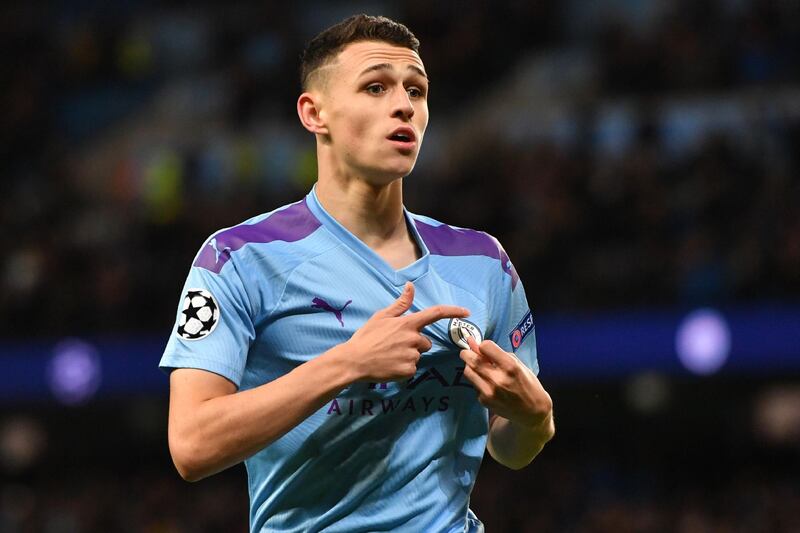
(308, 109)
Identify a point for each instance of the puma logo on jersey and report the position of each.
(217, 252)
(319, 303)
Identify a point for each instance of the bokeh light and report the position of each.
(648, 393)
(22, 441)
(703, 341)
(74, 373)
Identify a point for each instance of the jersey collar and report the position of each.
(396, 277)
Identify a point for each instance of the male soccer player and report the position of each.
(351, 352)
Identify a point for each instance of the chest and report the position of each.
(322, 307)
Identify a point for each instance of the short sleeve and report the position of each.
(213, 327)
(515, 330)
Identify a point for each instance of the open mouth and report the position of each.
(403, 135)
(400, 137)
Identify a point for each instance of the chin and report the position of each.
(402, 168)
(400, 172)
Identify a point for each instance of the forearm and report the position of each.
(224, 430)
(515, 445)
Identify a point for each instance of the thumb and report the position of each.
(401, 305)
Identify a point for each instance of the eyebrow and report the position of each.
(389, 66)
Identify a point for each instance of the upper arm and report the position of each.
(188, 388)
(192, 385)
(514, 331)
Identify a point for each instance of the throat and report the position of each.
(400, 255)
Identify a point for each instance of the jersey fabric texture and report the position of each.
(397, 456)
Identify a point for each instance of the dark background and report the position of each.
(636, 159)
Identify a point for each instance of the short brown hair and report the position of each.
(323, 48)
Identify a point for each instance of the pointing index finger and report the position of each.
(420, 319)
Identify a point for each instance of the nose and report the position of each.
(402, 106)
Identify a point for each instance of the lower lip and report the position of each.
(403, 145)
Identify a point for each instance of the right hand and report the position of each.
(388, 346)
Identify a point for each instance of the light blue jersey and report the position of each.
(282, 288)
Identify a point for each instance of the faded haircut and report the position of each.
(323, 49)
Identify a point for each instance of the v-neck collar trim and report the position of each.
(397, 277)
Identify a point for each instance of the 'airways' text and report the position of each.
(367, 407)
(430, 377)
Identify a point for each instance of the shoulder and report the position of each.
(288, 224)
(447, 240)
(444, 239)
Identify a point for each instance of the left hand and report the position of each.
(505, 385)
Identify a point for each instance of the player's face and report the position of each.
(376, 110)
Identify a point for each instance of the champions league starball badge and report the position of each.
(461, 330)
(199, 316)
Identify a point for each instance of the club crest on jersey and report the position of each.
(199, 316)
(461, 330)
(522, 330)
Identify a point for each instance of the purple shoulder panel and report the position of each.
(289, 225)
(446, 240)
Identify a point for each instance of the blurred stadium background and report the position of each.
(639, 160)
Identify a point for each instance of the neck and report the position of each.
(373, 213)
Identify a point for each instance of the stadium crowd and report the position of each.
(556, 500)
(134, 132)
